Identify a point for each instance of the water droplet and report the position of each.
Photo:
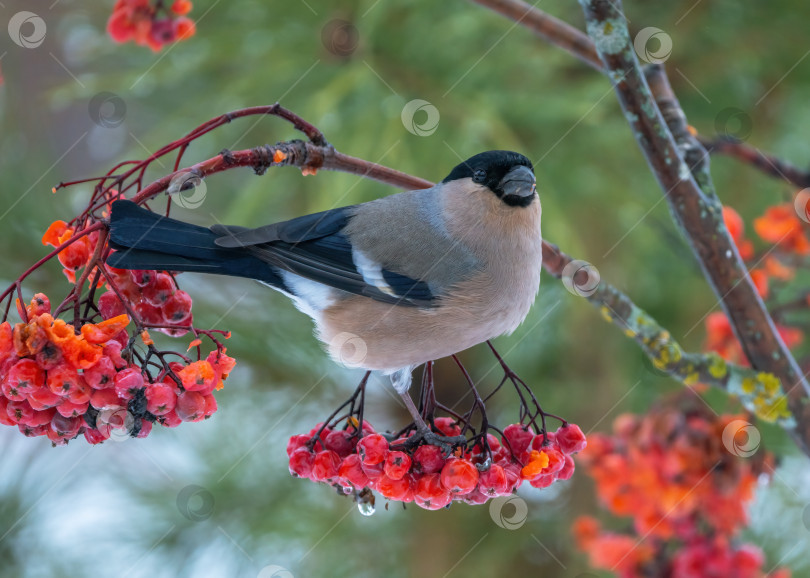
(366, 508)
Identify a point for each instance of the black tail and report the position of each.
(145, 240)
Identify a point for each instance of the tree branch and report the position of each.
(549, 28)
(747, 154)
(680, 164)
(759, 392)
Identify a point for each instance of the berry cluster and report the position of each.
(153, 296)
(141, 21)
(61, 381)
(356, 461)
(685, 491)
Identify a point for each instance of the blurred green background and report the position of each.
(120, 509)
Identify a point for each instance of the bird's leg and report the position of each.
(401, 380)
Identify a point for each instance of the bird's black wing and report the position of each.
(314, 247)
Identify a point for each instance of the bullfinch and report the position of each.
(391, 283)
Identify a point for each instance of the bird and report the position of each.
(391, 283)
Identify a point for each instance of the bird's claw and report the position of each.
(445, 443)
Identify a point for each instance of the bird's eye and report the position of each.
(479, 176)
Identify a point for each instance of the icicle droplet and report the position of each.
(366, 508)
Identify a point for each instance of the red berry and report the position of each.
(301, 463)
(190, 406)
(397, 465)
(539, 441)
(101, 375)
(372, 449)
(56, 438)
(66, 427)
(325, 466)
(62, 379)
(70, 409)
(295, 442)
(567, 470)
(149, 314)
(94, 436)
(210, 405)
(128, 382)
(105, 399)
(447, 426)
(40, 304)
(513, 477)
(395, 489)
(429, 492)
(351, 471)
(177, 308)
(428, 459)
(171, 419)
(81, 392)
(43, 417)
(24, 377)
(459, 476)
(493, 482)
(33, 431)
(143, 278)
(109, 305)
(517, 439)
(43, 398)
(542, 481)
(20, 412)
(373, 473)
(158, 293)
(112, 349)
(160, 398)
(571, 439)
(341, 442)
(75, 255)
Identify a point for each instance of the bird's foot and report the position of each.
(424, 435)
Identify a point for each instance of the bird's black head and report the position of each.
(508, 175)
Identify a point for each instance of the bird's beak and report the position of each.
(518, 182)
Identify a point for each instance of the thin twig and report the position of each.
(549, 28)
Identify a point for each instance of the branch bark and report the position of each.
(759, 392)
(680, 165)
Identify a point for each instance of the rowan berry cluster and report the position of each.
(356, 461)
(60, 381)
(685, 491)
(153, 296)
(150, 23)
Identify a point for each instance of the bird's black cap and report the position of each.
(488, 169)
